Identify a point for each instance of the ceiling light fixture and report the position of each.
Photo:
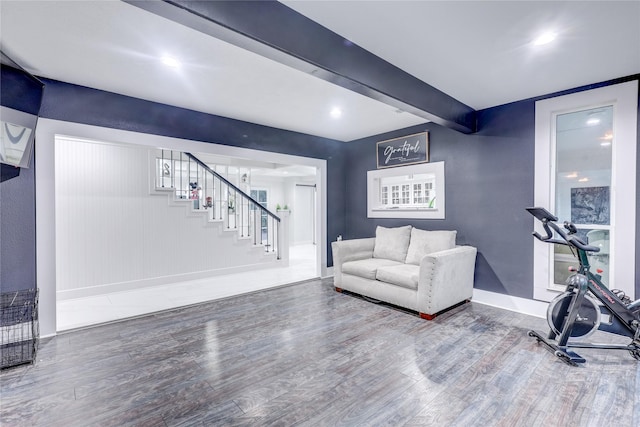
(336, 112)
(572, 175)
(170, 61)
(545, 38)
(608, 136)
(583, 180)
(593, 121)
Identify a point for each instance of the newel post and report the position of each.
(283, 236)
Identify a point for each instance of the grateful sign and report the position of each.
(407, 150)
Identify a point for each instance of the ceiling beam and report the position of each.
(277, 32)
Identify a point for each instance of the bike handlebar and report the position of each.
(548, 221)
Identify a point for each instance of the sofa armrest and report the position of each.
(349, 250)
(446, 279)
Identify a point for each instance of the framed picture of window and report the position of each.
(415, 191)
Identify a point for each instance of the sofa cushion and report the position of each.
(366, 268)
(424, 242)
(405, 275)
(392, 243)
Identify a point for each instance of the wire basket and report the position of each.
(19, 329)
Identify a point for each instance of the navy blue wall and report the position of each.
(488, 183)
(489, 179)
(18, 229)
(19, 91)
(79, 104)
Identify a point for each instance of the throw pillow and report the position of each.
(424, 242)
(392, 243)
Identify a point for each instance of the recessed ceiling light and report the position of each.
(170, 61)
(583, 180)
(336, 112)
(593, 121)
(545, 38)
(572, 175)
(607, 139)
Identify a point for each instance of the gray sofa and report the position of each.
(423, 271)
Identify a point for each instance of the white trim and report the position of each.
(93, 291)
(46, 132)
(507, 302)
(328, 273)
(374, 178)
(624, 98)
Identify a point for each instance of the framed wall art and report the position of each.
(407, 150)
(415, 191)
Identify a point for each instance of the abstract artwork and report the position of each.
(590, 205)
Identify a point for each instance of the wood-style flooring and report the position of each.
(307, 355)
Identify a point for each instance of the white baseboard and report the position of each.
(158, 281)
(493, 299)
(507, 302)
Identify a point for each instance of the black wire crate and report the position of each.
(19, 329)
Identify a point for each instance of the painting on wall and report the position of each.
(590, 205)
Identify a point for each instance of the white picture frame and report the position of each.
(424, 199)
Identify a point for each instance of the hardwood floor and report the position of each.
(307, 355)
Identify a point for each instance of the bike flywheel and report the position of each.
(587, 321)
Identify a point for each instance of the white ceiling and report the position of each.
(256, 167)
(475, 51)
(479, 52)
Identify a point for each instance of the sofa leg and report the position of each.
(428, 316)
(338, 289)
(433, 316)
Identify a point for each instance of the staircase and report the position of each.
(192, 182)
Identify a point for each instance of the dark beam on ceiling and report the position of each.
(277, 32)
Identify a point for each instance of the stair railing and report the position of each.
(192, 179)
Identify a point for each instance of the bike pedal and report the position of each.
(570, 357)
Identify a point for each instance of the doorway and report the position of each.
(47, 244)
(304, 229)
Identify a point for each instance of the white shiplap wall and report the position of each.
(113, 233)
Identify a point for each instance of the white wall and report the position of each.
(274, 187)
(114, 232)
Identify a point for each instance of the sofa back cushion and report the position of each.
(392, 243)
(424, 242)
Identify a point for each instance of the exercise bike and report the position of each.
(576, 312)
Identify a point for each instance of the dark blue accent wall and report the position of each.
(489, 179)
(489, 182)
(67, 102)
(19, 91)
(17, 229)
(79, 104)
